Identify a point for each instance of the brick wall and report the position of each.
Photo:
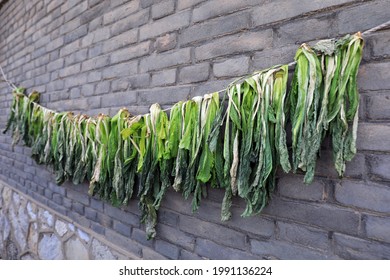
(97, 56)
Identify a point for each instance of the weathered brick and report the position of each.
(349, 247)
(298, 32)
(78, 80)
(294, 187)
(270, 57)
(281, 250)
(164, 78)
(167, 217)
(215, 28)
(167, 249)
(250, 41)
(148, 3)
(165, 96)
(184, 4)
(163, 9)
(306, 236)
(373, 137)
(119, 99)
(69, 48)
(124, 242)
(75, 11)
(166, 42)
(141, 237)
(121, 12)
(150, 254)
(90, 214)
(165, 60)
(57, 189)
(214, 8)
(122, 228)
(378, 228)
(129, 22)
(95, 63)
(232, 67)
(131, 52)
(120, 41)
(358, 18)
(97, 204)
(120, 70)
(208, 249)
(75, 57)
(213, 232)
(380, 45)
(364, 195)
(194, 73)
(120, 215)
(78, 208)
(165, 25)
(77, 196)
(379, 166)
(378, 107)
(321, 215)
(176, 236)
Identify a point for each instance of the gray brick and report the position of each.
(349, 247)
(75, 11)
(78, 208)
(163, 9)
(120, 70)
(361, 18)
(122, 228)
(208, 249)
(186, 255)
(164, 78)
(104, 220)
(166, 42)
(139, 81)
(97, 204)
(166, 96)
(321, 215)
(184, 4)
(75, 57)
(214, 28)
(120, 41)
(378, 107)
(55, 65)
(298, 32)
(194, 73)
(379, 166)
(263, 14)
(282, 250)
(270, 57)
(121, 12)
(90, 214)
(123, 242)
(165, 25)
(167, 249)
(150, 254)
(130, 22)
(47, 193)
(69, 26)
(167, 217)
(95, 50)
(131, 52)
(249, 41)
(306, 236)
(140, 236)
(94, 76)
(119, 99)
(76, 80)
(165, 60)
(364, 195)
(120, 215)
(95, 63)
(380, 45)
(57, 189)
(98, 228)
(378, 228)
(176, 236)
(214, 8)
(55, 44)
(293, 187)
(77, 196)
(148, 3)
(94, 102)
(69, 48)
(94, 12)
(374, 137)
(211, 231)
(102, 87)
(232, 67)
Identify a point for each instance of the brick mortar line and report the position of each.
(59, 215)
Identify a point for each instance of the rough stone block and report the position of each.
(364, 195)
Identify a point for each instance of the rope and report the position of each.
(364, 33)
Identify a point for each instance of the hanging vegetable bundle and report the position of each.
(236, 144)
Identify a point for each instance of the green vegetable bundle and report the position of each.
(236, 144)
(324, 99)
